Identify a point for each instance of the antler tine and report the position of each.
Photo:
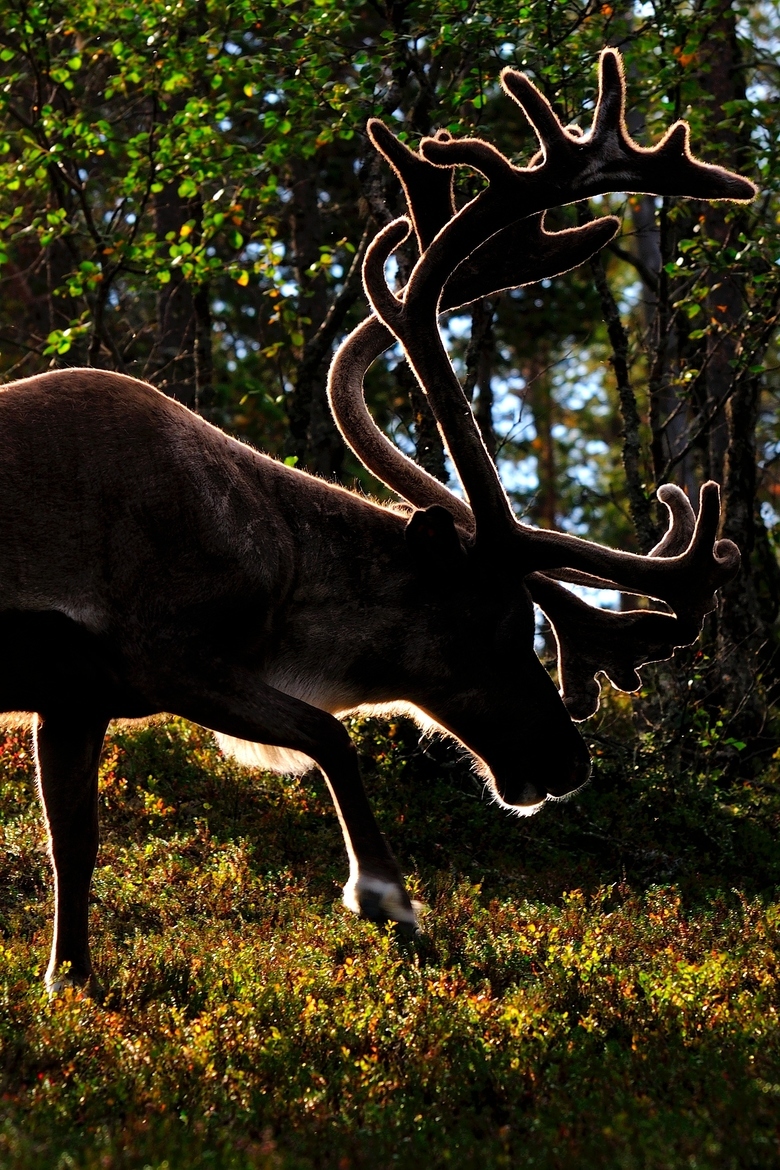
(686, 581)
(545, 122)
(592, 641)
(428, 189)
(682, 522)
(611, 105)
(675, 541)
(469, 152)
(383, 301)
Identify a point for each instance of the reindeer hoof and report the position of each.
(87, 986)
(380, 900)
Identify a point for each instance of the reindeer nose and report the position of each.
(568, 775)
(528, 795)
(552, 766)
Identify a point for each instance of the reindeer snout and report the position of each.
(547, 773)
(523, 795)
(567, 775)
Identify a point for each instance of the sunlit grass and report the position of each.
(595, 987)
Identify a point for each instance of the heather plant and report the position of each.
(596, 986)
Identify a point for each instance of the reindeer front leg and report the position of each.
(239, 706)
(67, 750)
(375, 888)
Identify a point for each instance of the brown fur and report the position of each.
(152, 563)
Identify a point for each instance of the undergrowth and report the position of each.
(596, 986)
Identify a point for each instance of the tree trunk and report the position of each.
(428, 445)
(732, 399)
(669, 414)
(723, 82)
(313, 438)
(540, 399)
(480, 358)
(180, 362)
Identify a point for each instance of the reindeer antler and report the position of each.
(428, 188)
(466, 255)
(573, 167)
(592, 641)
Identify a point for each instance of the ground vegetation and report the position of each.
(186, 192)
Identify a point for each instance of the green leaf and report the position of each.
(187, 189)
(291, 461)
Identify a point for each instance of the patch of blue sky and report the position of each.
(769, 515)
(601, 598)
(630, 296)
(458, 326)
(519, 475)
(402, 439)
(393, 357)
(391, 271)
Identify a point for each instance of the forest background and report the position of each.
(186, 192)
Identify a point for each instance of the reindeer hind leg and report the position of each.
(67, 749)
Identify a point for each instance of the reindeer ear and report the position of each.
(431, 534)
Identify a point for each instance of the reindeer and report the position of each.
(150, 563)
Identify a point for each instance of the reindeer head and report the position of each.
(498, 241)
